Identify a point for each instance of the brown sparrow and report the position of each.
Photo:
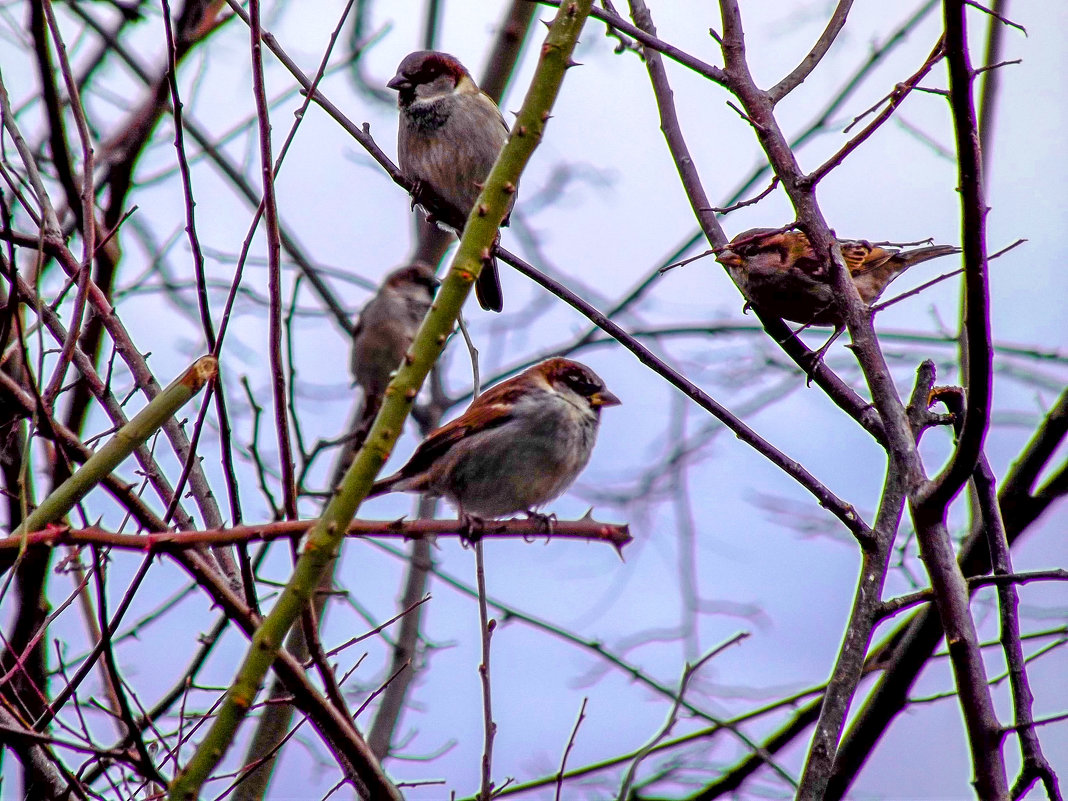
(518, 445)
(780, 273)
(387, 326)
(450, 134)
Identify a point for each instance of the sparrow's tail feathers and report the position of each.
(488, 288)
(879, 277)
(932, 252)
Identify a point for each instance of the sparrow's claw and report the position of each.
(471, 529)
(417, 192)
(547, 522)
(813, 360)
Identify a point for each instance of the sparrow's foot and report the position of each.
(471, 529)
(547, 522)
(812, 362)
(417, 193)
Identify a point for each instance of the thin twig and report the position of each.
(689, 671)
(486, 626)
(472, 351)
(815, 55)
(88, 213)
(1035, 766)
(567, 749)
(274, 273)
(893, 101)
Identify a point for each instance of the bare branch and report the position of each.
(815, 55)
(616, 535)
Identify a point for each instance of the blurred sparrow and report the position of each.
(518, 445)
(386, 328)
(450, 134)
(779, 273)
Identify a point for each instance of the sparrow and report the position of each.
(519, 445)
(387, 326)
(449, 136)
(780, 273)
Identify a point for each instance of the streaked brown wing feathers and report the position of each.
(493, 409)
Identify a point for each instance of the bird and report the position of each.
(518, 446)
(449, 137)
(387, 326)
(779, 273)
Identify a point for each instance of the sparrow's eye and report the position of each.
(429, 71)
(749, 248)
(581, 383)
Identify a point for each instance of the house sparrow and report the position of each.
(779, 273)
(450, 134)
(518, 445)
(387, 326)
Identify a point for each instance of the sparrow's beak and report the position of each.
(728, 258)
(399, 82)
(604, 398)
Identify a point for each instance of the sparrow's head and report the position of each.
(418, 274)
(566, 376)
(773, 247)
(425, 73)
(747, 244)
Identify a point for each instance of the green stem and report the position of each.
(324, 539)
(126, 440)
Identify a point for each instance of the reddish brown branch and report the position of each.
(616, 535)
(274, 273)
(88, 212)
(978, 355)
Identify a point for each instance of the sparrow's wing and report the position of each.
(500, 114)
(863, 257)
(492, 409)
(354, 357)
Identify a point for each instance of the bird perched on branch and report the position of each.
(518, 445)
(450, 134)
(386, 328)
(779, 273)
